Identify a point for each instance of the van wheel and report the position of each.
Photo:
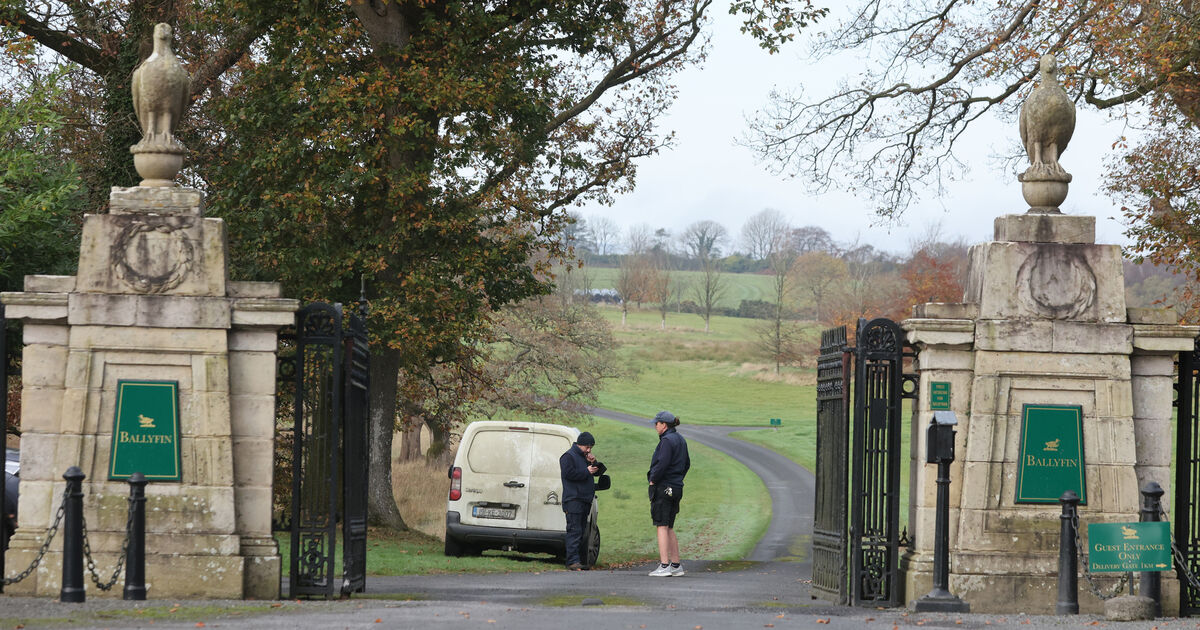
(593, 546)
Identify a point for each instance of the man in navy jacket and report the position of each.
(577, 467)
(668, 467)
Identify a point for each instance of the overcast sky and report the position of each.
(708, 176)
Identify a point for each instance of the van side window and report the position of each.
(546, 451)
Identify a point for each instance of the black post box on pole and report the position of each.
(72, 563)
(939, 449)
(135, 564)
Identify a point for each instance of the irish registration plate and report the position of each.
(494, 512)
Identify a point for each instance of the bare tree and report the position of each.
(811, 238)
(604, 232)
(817, 274)
(661, 287)
(638, 239)
(760, 231)
(702, 241)
(936, 67)
(633, 281)
(781, 259)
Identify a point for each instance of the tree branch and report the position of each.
(61, 42)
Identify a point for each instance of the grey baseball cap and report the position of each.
(664, 416)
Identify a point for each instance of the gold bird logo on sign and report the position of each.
(146, 423)
(1052, 446)
(1129, 532)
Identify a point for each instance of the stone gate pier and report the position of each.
(151, 343)
(1057, 385)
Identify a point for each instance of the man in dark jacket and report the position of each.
(577, 467)
(667, 470)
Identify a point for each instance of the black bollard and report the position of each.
(135, 563)
(1068, 578)
(1150, 583)
(72, 563)
(939, 449)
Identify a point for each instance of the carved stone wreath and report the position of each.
(1057, 283)
(152, 258)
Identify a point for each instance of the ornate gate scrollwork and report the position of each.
(831, 471)
(329, 449)
(856, 555)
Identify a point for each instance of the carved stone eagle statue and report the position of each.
(1047, 122)
(161, 93)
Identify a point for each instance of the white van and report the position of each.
(505, 490)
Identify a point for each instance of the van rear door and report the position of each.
(497, 488)
(545, 482)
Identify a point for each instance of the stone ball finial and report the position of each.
(161, 94)
(1047, 123)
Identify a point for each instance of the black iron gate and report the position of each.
(1187, 475)
(833, 439)
(868, 542)
(329, 449)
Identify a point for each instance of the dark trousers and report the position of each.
(575, 524)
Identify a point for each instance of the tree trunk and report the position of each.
(381, 503)
(410, 447)
(438, 455)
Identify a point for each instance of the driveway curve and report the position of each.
(791, 486)
(776, 573)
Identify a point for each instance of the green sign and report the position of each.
(776, 422)
(1051, 454)
(1129, 547)
(146, 431)
(939, 395)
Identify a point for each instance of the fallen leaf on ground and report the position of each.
(199, 624)
(822, 621)
(277, 605)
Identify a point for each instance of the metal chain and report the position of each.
(37, 560)
(1180, 559)
(91, 563)
(1117, 588)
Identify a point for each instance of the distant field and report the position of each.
(722, 377)
(740, 286)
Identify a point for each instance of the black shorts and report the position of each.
(664, 504)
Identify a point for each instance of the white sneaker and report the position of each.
(661, 571)
(676, 571)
